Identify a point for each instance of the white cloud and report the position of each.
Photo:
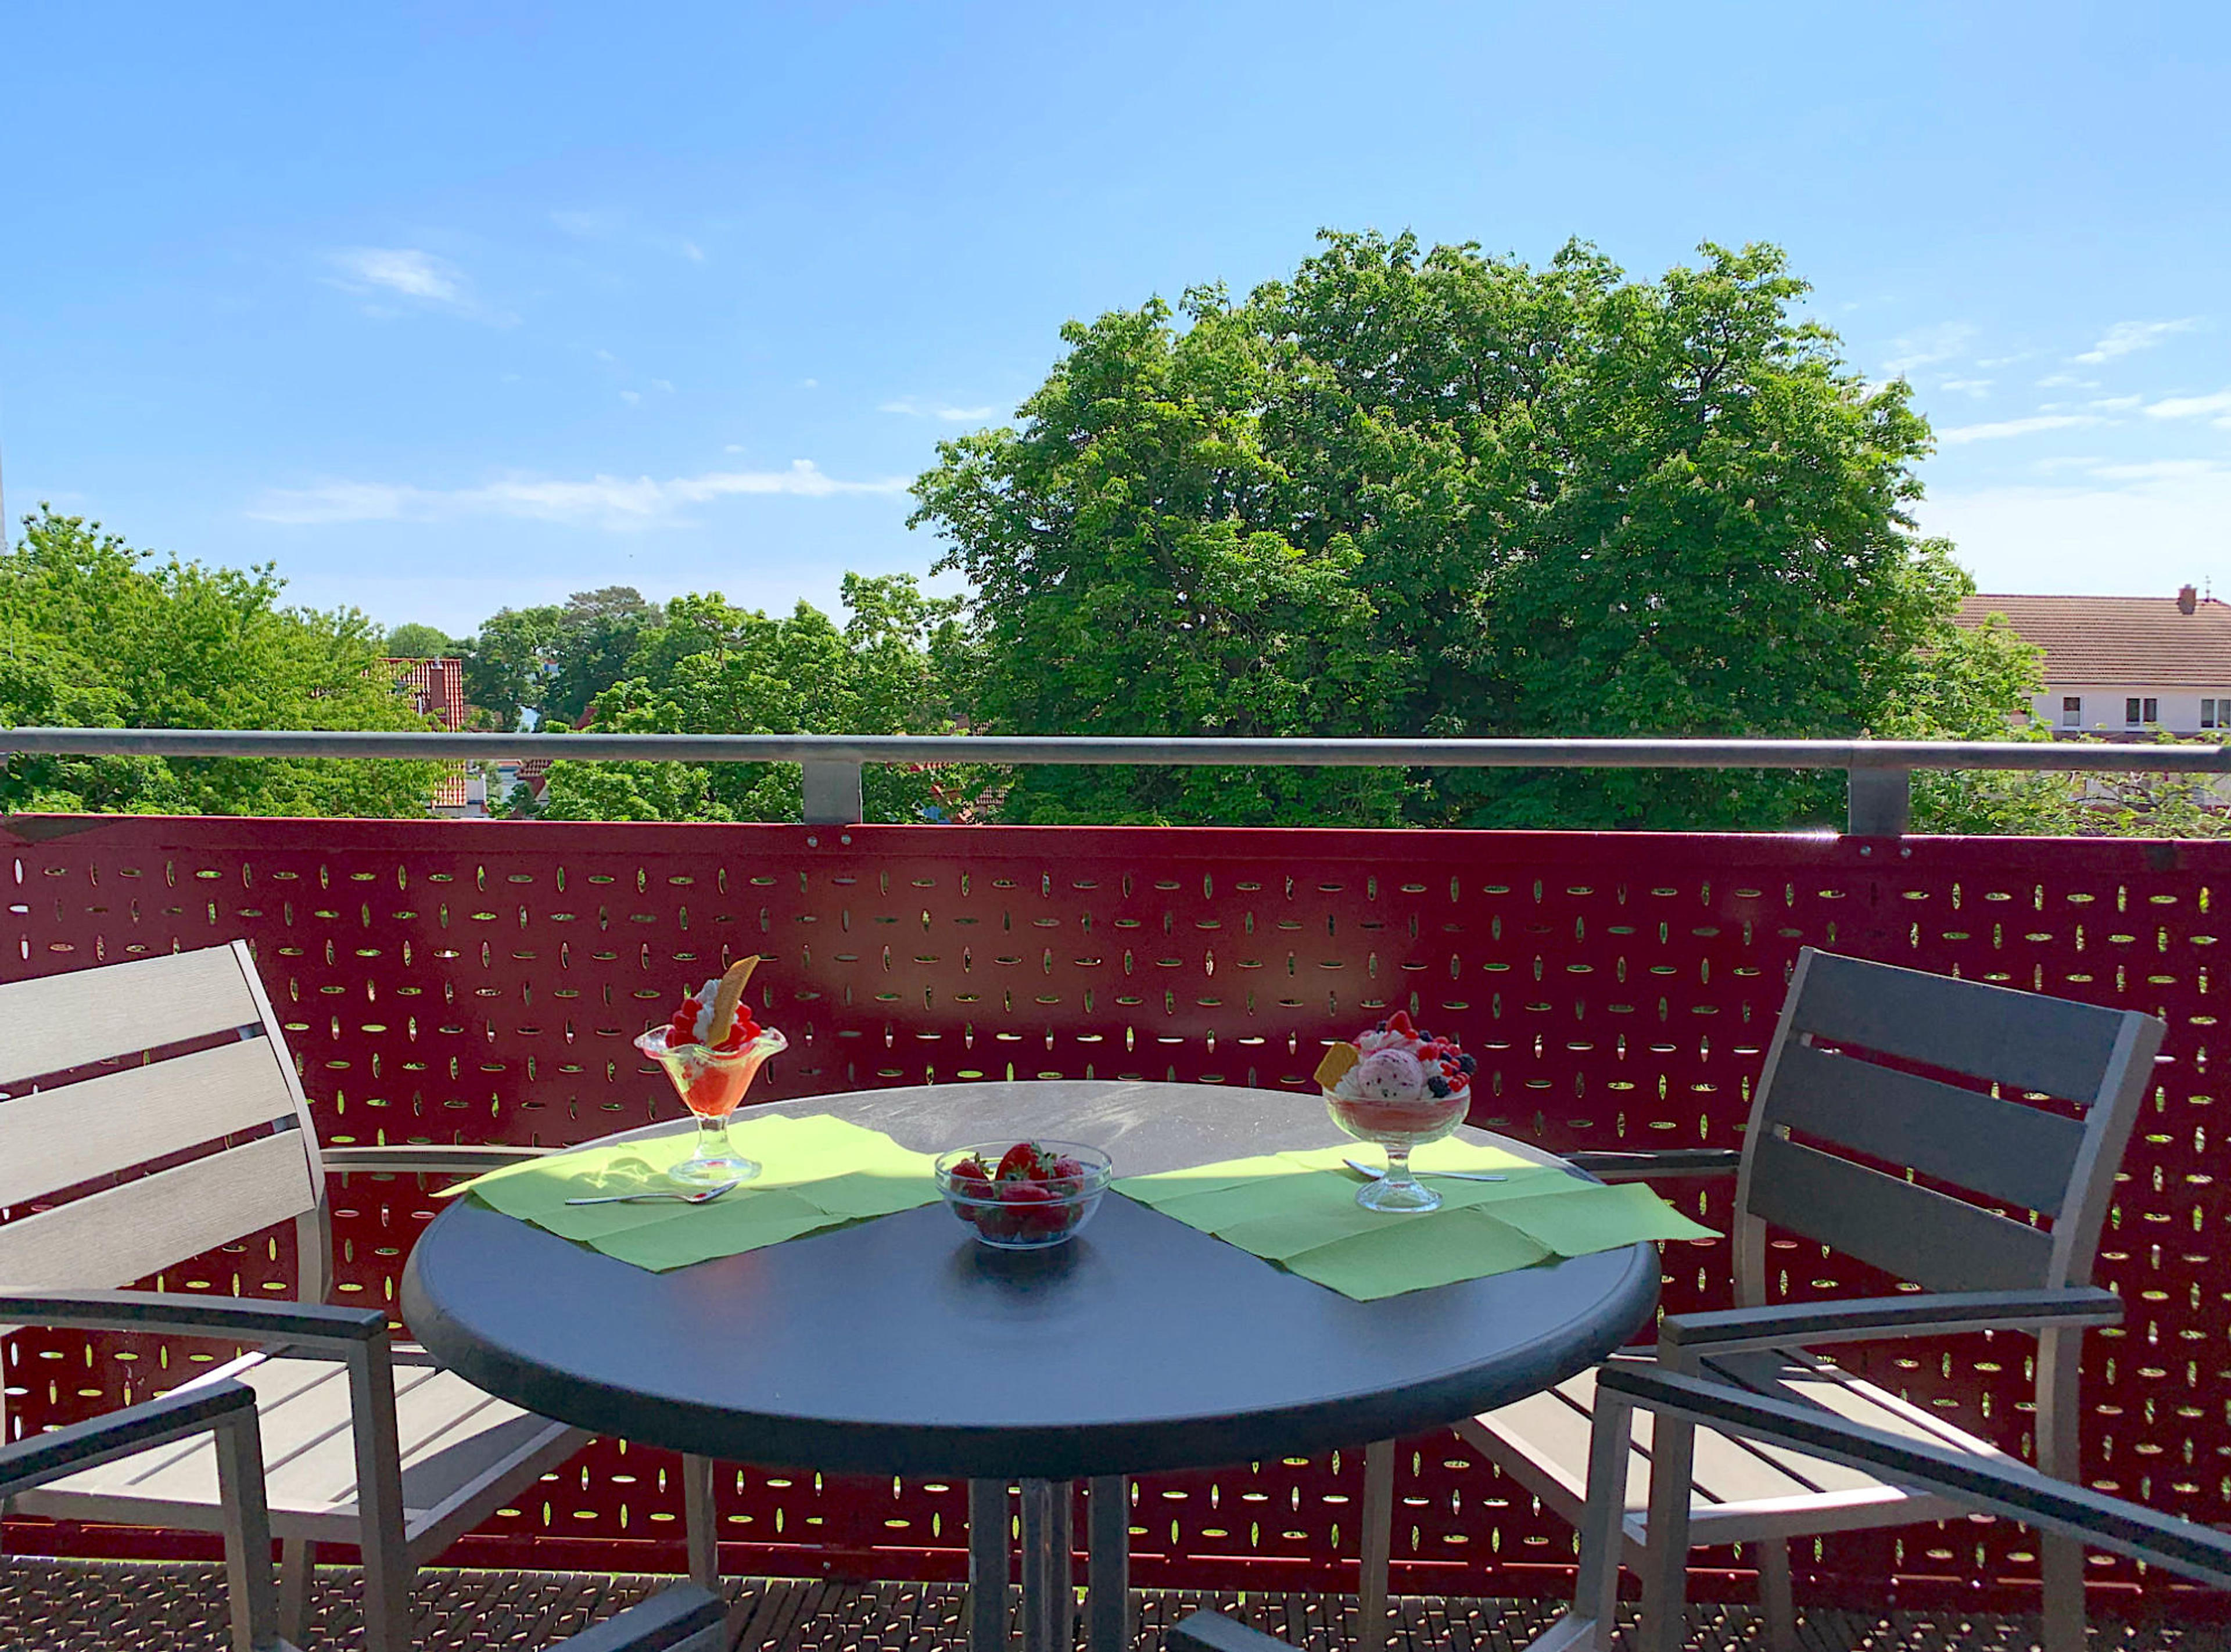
(2118, 404)
(1976, 387)
(917, 409)
(2003, 361)
(1939, 343)
(631, 397)
(2137, 530)
(2189, 407)
(2061, 381)
(809, 383)
(2006, 427)
(2125, 338)
(587, 225)
(409, 273)
(610, 502)
(692, 252)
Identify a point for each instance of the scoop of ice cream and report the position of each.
(1386, 1076)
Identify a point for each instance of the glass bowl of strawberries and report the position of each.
(1029, 1195)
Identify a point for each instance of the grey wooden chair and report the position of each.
(224, 1411)
(366, 1442)
(682, 1619)
(2074, 1517)
(1827, 1117)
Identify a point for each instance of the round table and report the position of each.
(901, 1347)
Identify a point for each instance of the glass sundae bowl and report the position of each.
(711, 1082)
(1398, 1088)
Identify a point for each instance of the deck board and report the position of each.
(117, 1606)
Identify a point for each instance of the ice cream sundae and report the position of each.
(1398, 1087)
(712, 1049)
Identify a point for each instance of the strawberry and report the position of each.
(1040, 1211)
(1020, 1161)
(1399, 1023)
(1065, 1176)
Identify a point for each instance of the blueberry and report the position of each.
(1439, 1086)
(1468, 1064)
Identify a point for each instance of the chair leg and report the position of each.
(701, 1527)
(1665, 1553)
(1775, 1596)
(388, 1568)
(1589, 1626)
(1377, 1546)
(2061, 1562)
(298, 1557)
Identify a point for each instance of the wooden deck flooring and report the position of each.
(81, 1606)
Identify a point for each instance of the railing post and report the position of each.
(1878, 803)
(832, 794)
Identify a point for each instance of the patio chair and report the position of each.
(366, 1443)
(225, 1411)
(682, 1619)
(2077, 1518)
(1833, 1133)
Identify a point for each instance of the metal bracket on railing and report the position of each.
(832, 794)
(1877, 802)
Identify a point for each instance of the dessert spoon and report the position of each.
(700, 1197)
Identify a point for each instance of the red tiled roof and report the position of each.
(437, 688)
(2141, 641)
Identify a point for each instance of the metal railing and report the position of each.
(1878, 772)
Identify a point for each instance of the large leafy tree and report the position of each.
(711, 668)
(93, 633)
(550, 662)
(1436, 493)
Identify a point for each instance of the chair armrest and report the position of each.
(1206, 1631)
(427, 1158)
(42, 1457)
(668, 1619)
(1875, 1318)
(1670, 1161)
(311, 1324)
(1998, 1485)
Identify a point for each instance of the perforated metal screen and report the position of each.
(480, 982)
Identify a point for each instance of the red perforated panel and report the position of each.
(479, 982)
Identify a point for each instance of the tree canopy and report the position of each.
(95, 634)
(708, 667)
(1436, 493)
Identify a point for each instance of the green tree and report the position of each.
(1435, 492)
(554, 661)
(421, 642)
(711, 668)
(93, 633)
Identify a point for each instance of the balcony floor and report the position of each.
(97, 1606)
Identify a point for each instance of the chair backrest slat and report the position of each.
(1940, 1244)
(2003, 1150)
(2022, 1039)
(55, 1138)
(111, 1238)
(56, 1022)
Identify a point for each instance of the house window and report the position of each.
(2207, 713)
(2072, 712)
(2153, 714)
(2130, 710)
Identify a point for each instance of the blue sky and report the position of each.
(450, 306)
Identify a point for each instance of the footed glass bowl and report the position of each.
(1398, 1127)
(711, 1083)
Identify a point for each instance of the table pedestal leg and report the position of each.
(987, 1565)
(1108, 1575)
(1048, 1595)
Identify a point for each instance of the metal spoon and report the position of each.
(1376, 1174)
(699, 1198)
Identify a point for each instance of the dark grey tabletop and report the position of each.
(902, 1346)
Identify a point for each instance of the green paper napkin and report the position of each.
(818, 1173)
(1595, 1217)
(1439, 1247)
(1298, 1210)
